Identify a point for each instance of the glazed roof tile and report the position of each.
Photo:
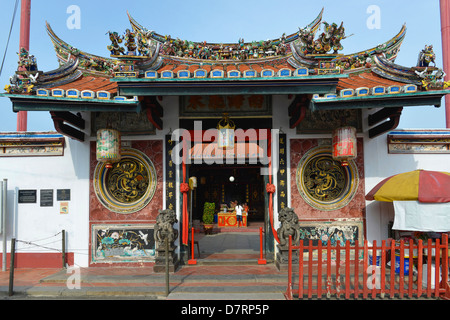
(90, 83)
(365, 79)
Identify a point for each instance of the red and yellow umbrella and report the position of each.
(420, 185)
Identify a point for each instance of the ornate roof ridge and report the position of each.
(299, 61)
(89, 63)
(314, 25)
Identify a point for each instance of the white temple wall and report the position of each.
(29, 221)
(379, 164)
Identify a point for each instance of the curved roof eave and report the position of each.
(89, 63)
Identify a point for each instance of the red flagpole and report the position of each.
(25, 15)
(445, 33)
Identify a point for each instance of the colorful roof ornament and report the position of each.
(154, 56)
(304, 62)
(88, 63)
(222, 51)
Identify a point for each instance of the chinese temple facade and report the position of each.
(147, 136)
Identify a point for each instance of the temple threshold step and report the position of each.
(223, 262)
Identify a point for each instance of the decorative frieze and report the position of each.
(31, 144)
(419, 141)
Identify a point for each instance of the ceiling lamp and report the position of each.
(225, 131)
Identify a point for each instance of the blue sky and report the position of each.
(220, 21)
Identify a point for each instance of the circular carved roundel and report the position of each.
(129, 185)
(323, 183)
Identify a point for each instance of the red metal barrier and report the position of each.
(394, 269)
(192, 261)
(261, 259)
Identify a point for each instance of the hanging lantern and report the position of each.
(344, 145)
(192, 183)
(108, 146)
(225, 131)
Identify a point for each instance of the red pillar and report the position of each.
(25, 14)
(445, 33)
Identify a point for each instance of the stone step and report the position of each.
(93, 279)
(226, 262)
(226, 296)
(232, 279)
(152, 286)
(216, 292)
(219, 287)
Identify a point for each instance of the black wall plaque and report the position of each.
(282, 173)
(27, 196)
(170, 175)
(46, 198)
(63, 195)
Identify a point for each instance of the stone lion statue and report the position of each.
(289, 227)
(164, 227)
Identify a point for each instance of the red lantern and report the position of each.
(108, 146)
(344, 144)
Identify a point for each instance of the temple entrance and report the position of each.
(222, 186)
(226, 177)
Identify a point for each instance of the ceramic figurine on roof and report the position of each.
(130, 43)
(210, 51)
(426, 56)
(143, 45)
(282, 47)
(19, 85)
(26, 76)
(306, 37)
(26, 62)
(433, 79)
(430, 77)
(328, 40)
(114, 47)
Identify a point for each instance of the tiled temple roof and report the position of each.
(365, 79)
(83, 86)
(161, 58)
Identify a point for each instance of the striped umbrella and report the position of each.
(419, 185)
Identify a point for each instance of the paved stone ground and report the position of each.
(227, 270)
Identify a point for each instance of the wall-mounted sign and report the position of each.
(27, 196)
(170, 175)
(282, 175)
(63, 207)
(46, 198)
(128, 123)
(216, 106)
(63, 195)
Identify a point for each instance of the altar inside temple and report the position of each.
(225, 185)
(226, 217)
